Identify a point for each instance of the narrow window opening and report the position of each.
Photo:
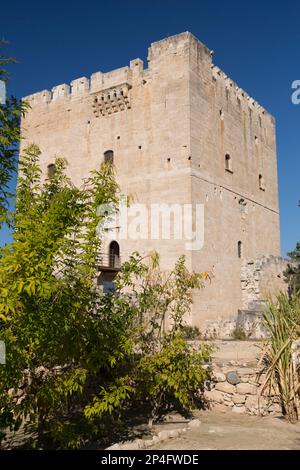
(261, 183)
(109, 156)
(240, 249)
(114, 255)
(51, 170)
(228, 163)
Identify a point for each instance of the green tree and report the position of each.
(292, 274)
(47, 291)
(78, 358)
(10, 114)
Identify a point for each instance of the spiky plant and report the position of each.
(282, 321)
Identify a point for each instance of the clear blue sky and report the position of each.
(256, 42)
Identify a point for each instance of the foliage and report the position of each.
(292, 274)
(10, 114)
(165, 371)
(190, 332)
(282, 321)
(239, 334)
(82, 358)
(48, 295)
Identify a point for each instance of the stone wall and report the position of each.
(260, 279)
(237, 387)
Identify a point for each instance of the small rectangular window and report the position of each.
(228, 163)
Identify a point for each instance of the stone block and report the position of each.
(238, 399)
(194, 423)
(245, 371)
(219, 377)
(225, 387)
(214, 396)
(239, 409)
(246, 388)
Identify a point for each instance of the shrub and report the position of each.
(84, 359)
(190, 332)
(239, 334)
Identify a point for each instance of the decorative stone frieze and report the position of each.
(112, 100)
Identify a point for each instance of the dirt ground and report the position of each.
(224, 431)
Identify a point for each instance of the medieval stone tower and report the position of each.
(179, 131)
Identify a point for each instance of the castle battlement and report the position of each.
(240, 94)
(121, 78)
(96, 83)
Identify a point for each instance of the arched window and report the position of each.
(109, 156)
(240, 249)
(261, 182)
(51, 170)
(228, 163)
(114, 255)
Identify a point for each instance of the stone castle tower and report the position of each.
(179, 132)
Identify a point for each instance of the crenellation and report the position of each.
(137, 65)
(96, 82)
(174, 45)
(218, 74)
(60, 91)
(44, 96)
(116, 78)
(80, 85)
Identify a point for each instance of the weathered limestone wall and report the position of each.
(238, 388)
(225, 120)
(237, 380)
(170, 126)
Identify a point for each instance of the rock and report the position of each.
(114, 447)
(194, 423)
(137, 444)
(246, 389)
(262, 378)
(251, 403)
(155, 440)
(227, 398)
(275, 408)
(174, 417)
(246, 371)
(214, 395)
(232, 377)
(174, 433)
(220, 407)
(219, 377)
(239, 409)
(233, 363)
(148, 443)
(163, 435)
(238, 399)
(225, 387)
